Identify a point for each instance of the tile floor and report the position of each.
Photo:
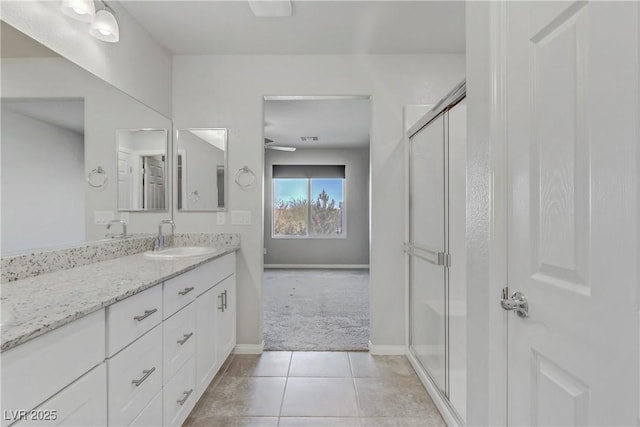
(321, 389)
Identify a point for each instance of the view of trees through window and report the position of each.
(308, 207)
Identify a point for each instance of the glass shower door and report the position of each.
(427, 249)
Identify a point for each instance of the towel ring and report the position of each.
(97, 178)
(242, 172)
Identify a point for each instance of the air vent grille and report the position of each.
(308, 138)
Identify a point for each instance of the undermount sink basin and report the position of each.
(181, 252)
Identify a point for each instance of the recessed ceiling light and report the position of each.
(270, 7)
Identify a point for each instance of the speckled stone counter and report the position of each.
(36, 305)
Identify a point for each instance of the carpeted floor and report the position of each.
(316, 309)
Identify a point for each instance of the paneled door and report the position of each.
(572, 137)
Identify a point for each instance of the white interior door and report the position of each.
(153, 187)
(572, 132)
(124, 179)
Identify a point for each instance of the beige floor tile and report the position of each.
(232, 422)
(394, 397)
(320, 397)
(403, 422)
(365, 365)
(242, 397)
(320, 364)
(267, 364)
(319, 422)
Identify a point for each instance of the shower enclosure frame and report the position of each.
(456, 96)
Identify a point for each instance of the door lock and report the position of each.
(516, 302)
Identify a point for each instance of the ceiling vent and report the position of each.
(308, 138)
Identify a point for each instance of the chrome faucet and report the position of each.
(124, 229)
(160, 240)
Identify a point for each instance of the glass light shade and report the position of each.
(82, 10)
(105, 27)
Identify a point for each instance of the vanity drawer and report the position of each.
(134, 378)
(151, 416)
(132, 317)
(181, 290)
(179, 341)
(180, 395)
(34, 371)
(83, 403)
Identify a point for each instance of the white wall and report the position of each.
(227, 91)
(42, 205)
(106, 110)
(354, 248)
(137, 64)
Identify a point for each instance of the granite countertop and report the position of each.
(36, 305)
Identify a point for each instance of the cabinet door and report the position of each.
(227, 318)
(84, 403)
(207, 306)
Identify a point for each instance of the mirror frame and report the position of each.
(176, 144)
(168, 174)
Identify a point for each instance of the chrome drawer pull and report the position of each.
(146, 314)
(221, 307)
(146, 373)
(225, 299)
(186, 290)
(184, 399)
(186, 338)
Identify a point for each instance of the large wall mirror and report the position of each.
(201, 169)
(142, 169)
(60, 171)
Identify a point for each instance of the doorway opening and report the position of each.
(316, 222)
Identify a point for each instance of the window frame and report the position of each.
(343, 235)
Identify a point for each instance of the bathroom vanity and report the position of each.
(127, 342)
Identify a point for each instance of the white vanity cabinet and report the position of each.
(144, 361)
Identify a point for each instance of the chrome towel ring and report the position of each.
(245, 178)
(97, 178)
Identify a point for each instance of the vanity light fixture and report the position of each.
(82, 10)
(105, 26)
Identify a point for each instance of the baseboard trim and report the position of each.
(249, 348)
(387, 350)
(441, 403)
(320, 266)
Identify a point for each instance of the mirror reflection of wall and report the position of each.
(201, 169)
(30, 71)
(43, 203)
(142, 169)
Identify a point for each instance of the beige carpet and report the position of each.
(316, 309)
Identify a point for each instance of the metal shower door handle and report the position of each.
(517, 302)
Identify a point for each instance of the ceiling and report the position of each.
(337, 122)
(210, 27)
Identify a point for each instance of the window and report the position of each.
(308, 201)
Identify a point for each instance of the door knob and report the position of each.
(516, 302)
